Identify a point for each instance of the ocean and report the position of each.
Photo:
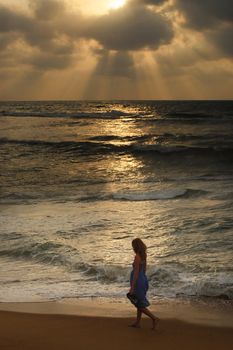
(80, 180)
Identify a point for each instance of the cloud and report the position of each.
(213, 18)
(132, 27)
(28, 27)
(39, 31)
(48, 36)
(7, 39)
(11, 20)
(48, 61)
(119, 64)
(47, 9)
(53, 33)
(202, 14)
(151, 2)
(222, 39)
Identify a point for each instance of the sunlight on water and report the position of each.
(80, 180)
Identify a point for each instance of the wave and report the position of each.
(173, 279)
(211, 177)
(111, 114)
(104, 138)
(177, 282)
(160, 148)
(105, 273)
(105, 113)
(190, 115)
(159, 195)
(170, 281)
(167, 194)
(216, 286)
(92, 147)
(18, 196)
(44, 252)
(56, 254)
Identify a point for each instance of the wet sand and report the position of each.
(42, 326)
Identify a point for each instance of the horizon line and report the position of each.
(111, 100)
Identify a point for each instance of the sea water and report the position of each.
(80, 180)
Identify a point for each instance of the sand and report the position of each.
(41, 326)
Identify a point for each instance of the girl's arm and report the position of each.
(135, 273)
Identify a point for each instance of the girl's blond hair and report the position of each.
(139, 248)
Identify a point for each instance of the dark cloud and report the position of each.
(52, 31)
(202, 14)
(48, 61)
(28, 27)
(52, 34)
(7, 39)
(222, 39)
(151, 2)
(132, 27)
(37, 33)
(47, 9)
(11, 20)
(40, 35)
(214, 18)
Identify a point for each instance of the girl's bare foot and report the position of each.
(134, 325)
(154, 323)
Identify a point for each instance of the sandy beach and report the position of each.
(52, 330)
(116, 176)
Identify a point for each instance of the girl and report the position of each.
(139, 284)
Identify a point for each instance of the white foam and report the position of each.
(154, 195)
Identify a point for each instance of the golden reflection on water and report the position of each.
(125, 164)
(122, 128)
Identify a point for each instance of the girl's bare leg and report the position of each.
(138, 320)
(155, 319)
(139, 316)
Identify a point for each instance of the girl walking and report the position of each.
(139, 284)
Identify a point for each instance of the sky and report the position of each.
(116, 49)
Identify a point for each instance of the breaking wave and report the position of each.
(93, 147)
(159, 195)
(167, 281)
(111, 114)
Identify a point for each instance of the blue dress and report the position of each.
(141, 287)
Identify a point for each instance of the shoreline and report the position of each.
(193, 312)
